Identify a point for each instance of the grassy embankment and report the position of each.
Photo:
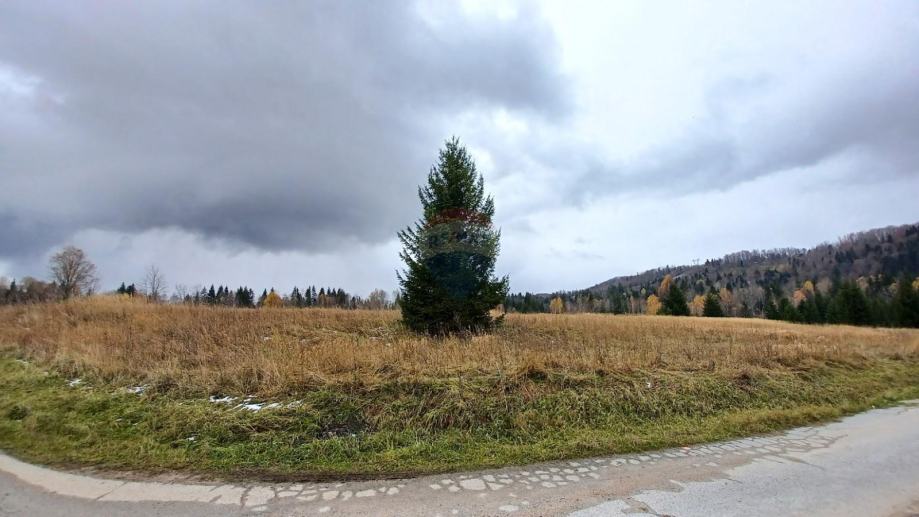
(360, 396)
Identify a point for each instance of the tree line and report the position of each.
(74, 275)
(877, 301)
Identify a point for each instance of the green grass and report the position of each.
(354, 430)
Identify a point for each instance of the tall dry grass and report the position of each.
(274, 351)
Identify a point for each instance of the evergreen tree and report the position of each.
(769, 308)
(852, 305)
(245, 297)
(820, 305)
(906, 304)
(808, 311)
(296, 299)
(674, 303)
(12, 295)
(787, 311)
(263, 297)
(122, 289)
(449, 284)
(712, 307)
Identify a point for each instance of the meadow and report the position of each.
(122, 384)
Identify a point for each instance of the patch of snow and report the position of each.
(247, 403)
(257, 406)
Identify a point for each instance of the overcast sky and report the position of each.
(281, 143)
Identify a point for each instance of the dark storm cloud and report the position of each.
(289, 125)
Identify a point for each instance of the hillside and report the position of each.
(874, 259)
(883, 252)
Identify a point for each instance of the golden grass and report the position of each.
(276, 351)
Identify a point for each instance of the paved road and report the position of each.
(864, 465)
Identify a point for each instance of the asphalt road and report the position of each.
(865, 465)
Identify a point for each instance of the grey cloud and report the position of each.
(869, 111)
(288, 125)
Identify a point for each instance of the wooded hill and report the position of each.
(746, 281)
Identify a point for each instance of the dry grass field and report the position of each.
(357, 395)
(280, 351)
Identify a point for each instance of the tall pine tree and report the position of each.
(449, 285)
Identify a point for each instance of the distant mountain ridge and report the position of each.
(873, 255)
(746, 281)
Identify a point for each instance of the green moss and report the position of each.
(424, 426)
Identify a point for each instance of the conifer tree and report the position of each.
(12, 295)
(296, 299)
(906, 304)
(770, 310)
(787, 311)
(449, 285)
(674, 303)
(712, 307)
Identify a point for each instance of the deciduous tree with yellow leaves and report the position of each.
(654, 305)
(697, 305)
(273, 300)
(556, 306)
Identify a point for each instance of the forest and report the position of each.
(865, 278)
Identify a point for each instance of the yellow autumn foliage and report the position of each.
(556, 306)
(664, 289)
(654, 304)
(273, 300)
(798, 296)
(697, 305)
